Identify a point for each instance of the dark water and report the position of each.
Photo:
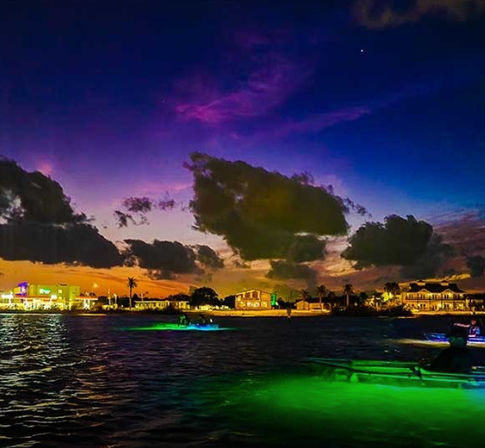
(83, 381)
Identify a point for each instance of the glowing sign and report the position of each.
(44, 291)
(22, 288)
(274, 300)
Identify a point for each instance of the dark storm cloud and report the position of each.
(476, 264)
(260, 213)
(398, 241)
(77, 243)
(286, 270)
(38, 223)
(431, 262)
(306, 248)
(209, 257)
(162, 257)
(33, 196)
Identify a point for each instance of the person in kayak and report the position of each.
(183, 320)
(457, 357)
(473, 327)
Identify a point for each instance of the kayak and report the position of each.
(396, 373)
(197, 326)
(163, 326)
(442, 337)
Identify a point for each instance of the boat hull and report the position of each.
(396, 373)
(442, 337)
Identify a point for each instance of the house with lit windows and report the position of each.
(310, 304)
(161, 304)
(255, 299)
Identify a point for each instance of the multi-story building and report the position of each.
(61, 296)
(434, 296)
(255, 299)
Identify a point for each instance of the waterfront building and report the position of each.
(310, 304)
(7, 299)
(255, 299)
(434, 296)
(161, 304)
(29, 296)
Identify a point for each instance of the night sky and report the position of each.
(382, 100)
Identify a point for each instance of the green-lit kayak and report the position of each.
(395, 373)
(165, 326)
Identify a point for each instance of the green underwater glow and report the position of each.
(163, 326)
(309, 410)
(441, 344)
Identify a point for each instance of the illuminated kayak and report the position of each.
(442, 337)
(164, 326)
(198, 326)
(396, 373)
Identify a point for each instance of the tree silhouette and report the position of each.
(204, 296)
(348, 290)
(132, 284)
(305, 295)
(392, 288)
(321, 293)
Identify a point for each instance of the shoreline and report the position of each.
(233, 313)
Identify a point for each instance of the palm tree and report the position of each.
(348, 290)
(305, 295)
(321, 292)
(131, 285)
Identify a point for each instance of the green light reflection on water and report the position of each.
(174, 327)
(309, 409)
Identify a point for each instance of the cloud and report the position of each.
(78, 244)
(464, 230)
(476, 264)
(38, 223)
(137, 209)
(162, 258)
(403, 242)
(273, 78)
(319, 122)
(259, 213)
(306, 248)
(209, 257)
(138, 205)
(33, 197)
(431, 262)
(376, 14)
(286, 270)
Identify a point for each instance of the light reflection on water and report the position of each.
(80, 379)
(302, 410)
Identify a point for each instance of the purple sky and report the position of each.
(111, 102)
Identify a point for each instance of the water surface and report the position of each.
(83, 380)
